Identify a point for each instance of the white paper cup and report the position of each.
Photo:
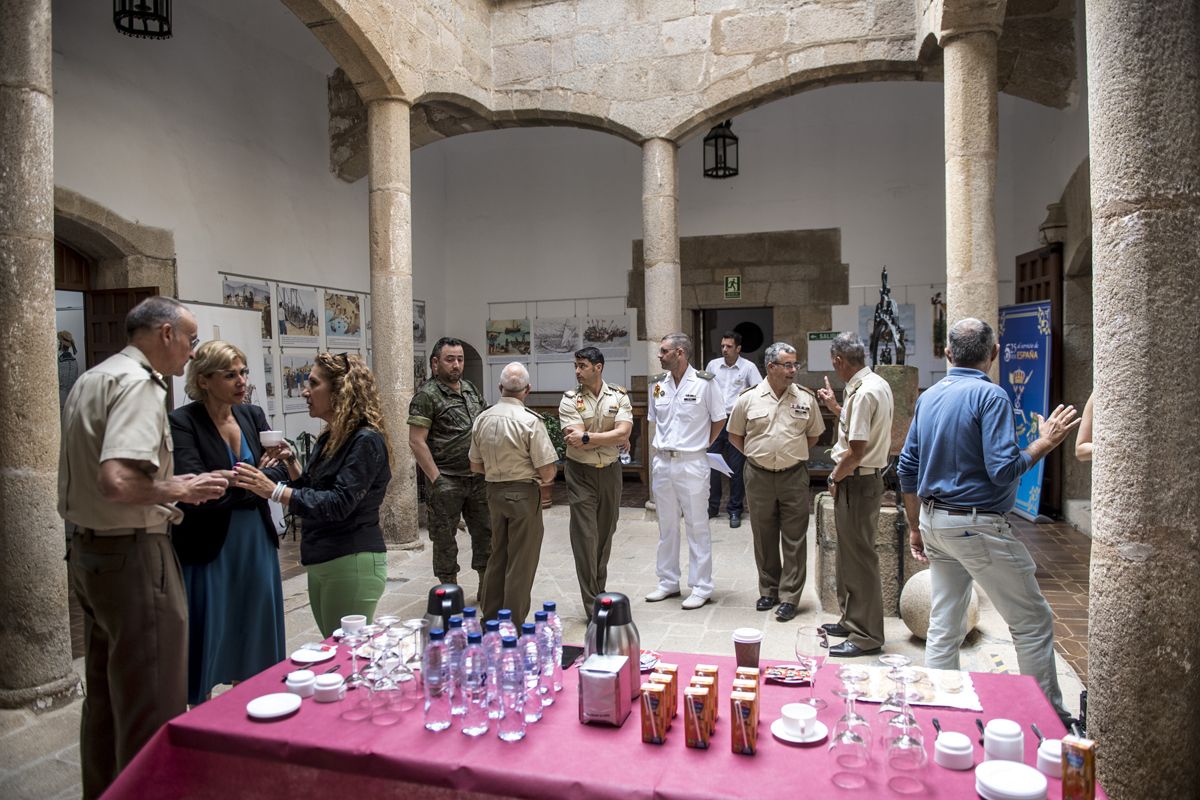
(747, 642)
(270, 438)
(1003, 740)
(798, 719)
(352, 622)
(1049, 758)
(953, 750)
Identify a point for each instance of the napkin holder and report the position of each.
(604, 691)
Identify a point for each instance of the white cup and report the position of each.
(1049, 758)
(953, 750)
(798, 719)
(747, 642)
(270, 438)
(352, 622)
(301, 682)
(329, 688)
(1003, 740)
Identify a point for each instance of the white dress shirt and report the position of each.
(734, 379)
(683, 414)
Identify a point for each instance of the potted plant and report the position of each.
(554, 431)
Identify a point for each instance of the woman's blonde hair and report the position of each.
(354, 397)
(212, 356)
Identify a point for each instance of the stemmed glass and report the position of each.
(418, 637)
(812, 648)
(354, 641)
(896, 662)
(375, 640)
(906, 760)
(850, 741)
(853, 680)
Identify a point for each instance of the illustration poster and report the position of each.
(556, 338)
(296, 311)
(418, 322)
(1025, 375)
(508, 340)
(269, 382)
(343, 321)
(610, 334)
(420, 368)
(295, 369)
(245, 293)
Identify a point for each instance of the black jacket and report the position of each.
(200, 448)
(338, 498)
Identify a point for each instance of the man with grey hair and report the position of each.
(688, 412)
(959, 472)
(117, 488)
(856, 484)
(774, 424)
(513, 452)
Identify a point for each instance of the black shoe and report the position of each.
(735, 520)
(714, 514)
(766, 603)
(785, 612)
(835, 629)
(850, 650)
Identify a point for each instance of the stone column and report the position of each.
(970, 123)
(34, 626)
(660, 236)
(390, 188)
(1144, 634)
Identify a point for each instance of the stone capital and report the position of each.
(953, 18)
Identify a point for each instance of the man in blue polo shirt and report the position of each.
(959, 472)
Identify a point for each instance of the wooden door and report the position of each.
(1040, 277)
(104, 313)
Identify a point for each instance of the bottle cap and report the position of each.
(437, 634)
(550, 605)
(528, 627)
(469, 612)
(491, 625)
(541, 616)
(509, 641)
(504, 614)
(456, 621)
(474, 637)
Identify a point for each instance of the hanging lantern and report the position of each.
(721, 152)
(144, 19)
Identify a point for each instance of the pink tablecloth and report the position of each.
(216, 751)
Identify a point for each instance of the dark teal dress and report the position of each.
(235, 605)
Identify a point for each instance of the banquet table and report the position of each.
(217, 751)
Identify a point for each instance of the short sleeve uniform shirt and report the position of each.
(776, 428)
(597, 414)
(683, 414)
(511, 442)
(866, 417)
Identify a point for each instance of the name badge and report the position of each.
(691, 398)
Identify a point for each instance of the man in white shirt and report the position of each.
(734, 375)
(688, 412)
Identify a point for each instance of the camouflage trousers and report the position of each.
(449, 497)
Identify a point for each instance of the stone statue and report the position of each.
(887, 337)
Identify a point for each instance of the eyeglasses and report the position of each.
(195, 342)
(791, 366)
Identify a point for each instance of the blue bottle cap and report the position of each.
(474, 637)
(456, 621)
(509, 641)
(541, 616)
(550, 605)
(504, 613)
(469, 612)
(492, 625)
(437, 634)
(528, 627)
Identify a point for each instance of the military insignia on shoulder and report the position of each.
(806, 389)
(618, 389)
(536, 414)
(569, 393)
(708, 376)
(657, 377)
(748, 388)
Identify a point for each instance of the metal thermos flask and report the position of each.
(612, 633)
(445, 600)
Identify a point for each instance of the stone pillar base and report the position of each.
(887, 546)
(45, 697)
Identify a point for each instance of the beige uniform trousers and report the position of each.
(856, 515)
(779, 508)
(516, 514)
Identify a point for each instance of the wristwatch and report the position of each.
(830, 482)
(586, 437)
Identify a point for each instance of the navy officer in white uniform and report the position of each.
(688, 412)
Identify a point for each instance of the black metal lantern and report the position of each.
(144, 19)
(721, 152)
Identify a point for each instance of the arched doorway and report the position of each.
(473, 366)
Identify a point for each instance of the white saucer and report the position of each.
(303, 656)
(780, 732)
(273, 706)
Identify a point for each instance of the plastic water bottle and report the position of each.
(552, 619)
(470, 617)
(511, 726)
(492, 645)
(507, 626)
(456, 643)
(473, 686)
(435, 671)
(532, 653)
(545, 638)
(623, 455)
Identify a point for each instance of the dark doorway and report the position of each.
(473, 366)
(756, 325)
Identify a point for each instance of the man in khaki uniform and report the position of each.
(117, 490)
(856, 485)
(596, 419)
(513, 452)
(774, 424)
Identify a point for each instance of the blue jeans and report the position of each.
(737, 488)
(962, 547)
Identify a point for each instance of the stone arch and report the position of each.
(128, 254)
(336, 24)
(439, 115)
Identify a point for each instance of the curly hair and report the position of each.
(355, 399)
(212, 356)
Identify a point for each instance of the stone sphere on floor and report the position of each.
(915, 600)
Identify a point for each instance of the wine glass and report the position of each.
(812, 648)
(418, 639)
(906, 761)
(895, 662)
(374, 636)
(354, 640)
(853, 679)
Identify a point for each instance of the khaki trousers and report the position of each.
(856, 515)
(516, 512)
(779, 516)
(135, 640)
(595, 497)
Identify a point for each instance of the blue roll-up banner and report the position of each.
(1025, 375)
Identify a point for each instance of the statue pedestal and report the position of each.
(903, 380)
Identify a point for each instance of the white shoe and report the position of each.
(660, 594)
(694, 601)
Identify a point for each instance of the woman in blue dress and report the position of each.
(228, 547)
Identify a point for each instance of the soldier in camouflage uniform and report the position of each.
(440, 417)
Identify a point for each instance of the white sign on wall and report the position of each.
(819, 342)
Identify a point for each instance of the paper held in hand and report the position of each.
(717, 461)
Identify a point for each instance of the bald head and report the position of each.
(514, 380)
(970, 343)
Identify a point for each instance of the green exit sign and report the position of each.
(733, 287)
